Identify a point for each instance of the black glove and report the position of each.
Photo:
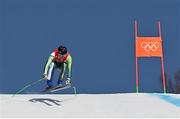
(45, 76)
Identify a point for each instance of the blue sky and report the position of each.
(99, 35)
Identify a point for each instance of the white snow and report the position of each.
(90, 105)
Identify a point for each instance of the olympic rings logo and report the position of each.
(150, 46)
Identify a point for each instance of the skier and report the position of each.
(60, 59)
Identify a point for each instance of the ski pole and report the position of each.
(75, 92)
(25, 87)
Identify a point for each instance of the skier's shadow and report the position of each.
(47, 101)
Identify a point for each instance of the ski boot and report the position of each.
(60, 83)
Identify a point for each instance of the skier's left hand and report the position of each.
(68, 81)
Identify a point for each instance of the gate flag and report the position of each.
(149, 47)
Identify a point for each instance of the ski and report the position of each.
(60, 88)
(56, 88)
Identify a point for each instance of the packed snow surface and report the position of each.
(90, 105)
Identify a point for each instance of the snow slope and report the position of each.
(90, 105)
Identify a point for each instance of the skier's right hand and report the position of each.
(45, 76)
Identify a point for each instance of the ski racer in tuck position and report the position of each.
(59, 59)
